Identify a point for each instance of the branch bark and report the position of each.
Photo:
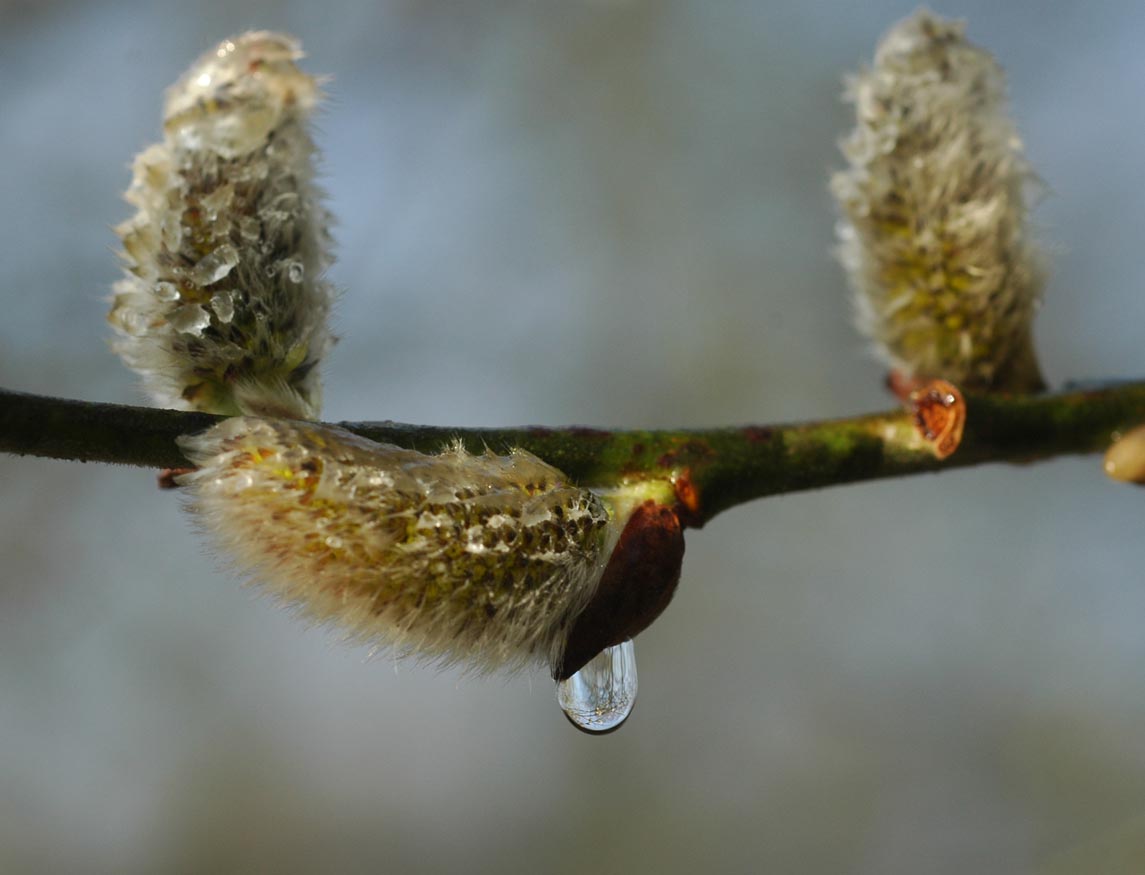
(713, 469)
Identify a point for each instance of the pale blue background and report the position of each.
(610, 213)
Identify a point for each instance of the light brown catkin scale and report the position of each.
(223, 307)
(934, 235)
(452, 557)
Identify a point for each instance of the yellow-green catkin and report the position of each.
(224, 306)
(483, 559)
(934, 234)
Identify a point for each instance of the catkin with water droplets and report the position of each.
(224, 306)
(453, 557)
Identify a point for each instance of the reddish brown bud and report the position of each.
(637, 585)
(939, 415)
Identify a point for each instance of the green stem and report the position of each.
(723, 466)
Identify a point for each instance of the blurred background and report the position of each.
(608, 213)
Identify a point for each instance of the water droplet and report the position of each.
(236, 483)
(215, 266)
(223, 303)
(131, 322)
(295, 271)
(600, 696)
(166, 292)
(250, 228)
(190, 319)
(218, 201)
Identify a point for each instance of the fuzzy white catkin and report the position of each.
(224, 305)
(481, 559)
(934, 235)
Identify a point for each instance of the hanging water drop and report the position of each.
(600, 696)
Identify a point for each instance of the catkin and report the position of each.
(934, 233)
(452, 557)
(224, 306)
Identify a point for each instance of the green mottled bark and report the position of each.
(725, 466)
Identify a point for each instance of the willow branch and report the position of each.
(720, 467)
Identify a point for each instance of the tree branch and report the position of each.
(713, 469)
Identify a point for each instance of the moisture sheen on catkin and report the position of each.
(934, 233)
(224, 307)
(481, 559)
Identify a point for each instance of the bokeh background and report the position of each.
(609, 213)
